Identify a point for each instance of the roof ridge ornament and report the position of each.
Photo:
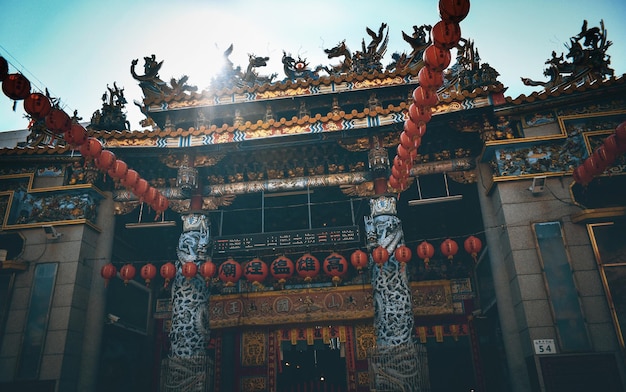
(585, 62)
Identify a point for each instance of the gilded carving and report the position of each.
(365, 340)
(253, 384)
(253, 346)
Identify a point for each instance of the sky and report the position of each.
(75, 48)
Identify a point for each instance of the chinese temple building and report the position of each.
(353, 226)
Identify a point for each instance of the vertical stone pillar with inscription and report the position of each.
(397, 362)
(188, 363)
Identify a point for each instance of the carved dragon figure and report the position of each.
(401, 367)
(189, 334)
(251, 77)
(298, 69)
(586, 60)
(338, 51)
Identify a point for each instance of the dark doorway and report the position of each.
(312, 368)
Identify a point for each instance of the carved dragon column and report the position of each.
(397, 362)
(189, 334)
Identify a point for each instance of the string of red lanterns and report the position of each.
(603, 157)
(445, 35)
(307, 267)
(40, 107)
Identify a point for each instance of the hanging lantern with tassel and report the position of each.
(207, 270)
(168, 272)
(473, 246)
(148, 272)
(127, 273)
(335, 265)
(425, 251)
(108, 272)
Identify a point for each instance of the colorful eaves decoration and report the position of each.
(41, 107)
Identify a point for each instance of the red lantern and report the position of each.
(207, 270)
(130, 179)
(16, 86)
(335, 265)
(446, 34)
(603, 157)
(581, 175)
(403, 254)
(58, 121)
(307, 267)
(108, 272)
(127, 273)
(282, 268)
(399, 174)
(406, 141)
(424, 97)
(401, 165)
(449, 248)
(394, 182)
(230, 272)
(255, 271)
(425, 251)
(118, 170)
(403, 153)
(436, 58)
(419, 114)
(168, 272)
(430, 79)
(37, 105)
(592, 165)
(4, 68)
(160, 204)
(141, 188)
(105, 160)
(76, 135)
(415, 129)
(151, 195)
(453, 10)
(91, 148)
(612, 146)
(380, 255)
(189, 269)
(473, 245)
(358, 259)
(148, 272)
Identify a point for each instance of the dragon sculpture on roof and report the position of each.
(586, 59)
(364, 61)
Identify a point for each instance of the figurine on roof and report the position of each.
(367, 60)
(419, 41)
(298, 69)
(586, 61)
(111, 117)
(251, 77)
(150, 83)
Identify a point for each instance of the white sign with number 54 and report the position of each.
(544, 346)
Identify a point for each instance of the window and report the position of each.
(562, 291)
(37, 320)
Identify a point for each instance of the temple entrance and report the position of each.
(319, 367)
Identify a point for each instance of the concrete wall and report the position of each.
(509, 211)
(71, 348)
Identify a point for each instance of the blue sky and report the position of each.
(76, 47)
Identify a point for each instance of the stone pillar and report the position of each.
(94, 318)
(189, 334)
(498, 241)
(397, 362)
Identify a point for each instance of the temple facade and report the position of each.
(266, 234)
